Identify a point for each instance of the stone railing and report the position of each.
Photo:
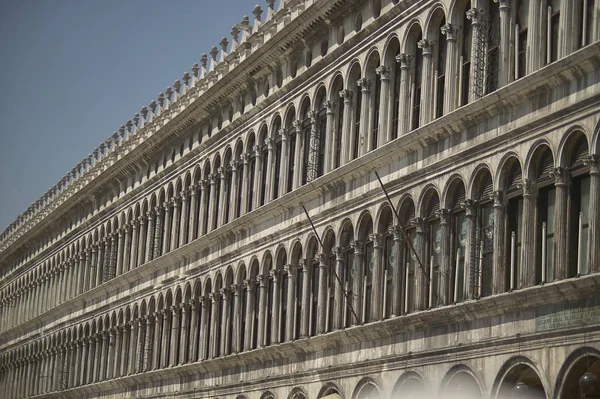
(245, 40)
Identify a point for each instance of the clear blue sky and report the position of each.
(73, 71)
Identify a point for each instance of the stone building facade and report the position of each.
(177, 260)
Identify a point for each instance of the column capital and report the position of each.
(426, 46)
(364, 84)
(284, 134)
(290, 268)
(245, 158)
(593, 162)
(269, 143)
(450, 31)
(469, 206)
(234, 165)
(256, 150)
(377, 240)
(357, 246)
(529, 187)
(346, 94)
(502, 4)
(561, 176)
(475, 15)
(444, 215)
(297, 126)
(383, 72)
(498, 199)
(329, 106)
(419, 223)
(404, 60)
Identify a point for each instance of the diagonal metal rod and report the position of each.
(410, 244)
(331, 269)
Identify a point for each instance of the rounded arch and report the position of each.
(373, 60)
(573, 146)
(406, 209)
(510, 171)
(429, 201)
(413, 33)
(579, 368)
(297, 393)
(481, 182)
(519, 373)
(354, 73)
(538, 159)
(330, 388)
(437, 13)
(367, 388)
(364, 226)
(268, 395)
(409, 383)
(461, 381)
(454, 192)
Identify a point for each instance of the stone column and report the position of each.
(125, 349)
(428, 81)
(364, 142)
(104, 355)
(193, 330)
(291, 308)
(166, 328)
(100, 263)
(562, 181)
(499, 260)
(313, 148)
(593, 161)
(378, 278)
(404, 111)
(504, 75)
(91, 371)
(446, 258)
(276, 306)
(528, 244)
(214, 324)
(285, 162)
(476, 73)
(305, 298)
(249, 319)
(183, 238)
(120, 250)
(233, 195)
(220, 216)
(235, 335)
(213, 202)
(83, 365)
(204, 303)
(338, 302)
(175, 334)
(184, 342)
(270, 170)
(158, 232)
(298, 154)
(347, 130)
(224, 324)
(166, 227)
(386, 99)
(111, 354)
(452, 59)
(536, 46)
(421, 284)
(245, 184)
(134, 245)
(257, 177)
(193, 226)
(141, 339)
(150, 236)
(158, 322)
(471, 264)
(175, 225)
(262, 307)
(134, 328)
(357, 287)
(142, 241)
(322, 298)
(118, 352)
(127, 252)
(148, 343)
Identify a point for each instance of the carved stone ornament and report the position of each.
(404, 60)
(346, 95)
(449, 31)
(561, 176)
(528, 186)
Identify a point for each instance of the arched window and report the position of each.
(318, 142)
(434, 249)
(522, 17)
(374, 100)
(291, 131)
(407, 216)
(356, 108)
(264, 167)
(276, 129)
(543, 165)
(306, 125)
(338, 128)
(465, 58)
(578, 219)
(251, 173)
(514, 219)
(485, 233)
(492, 48)
(440, 70)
